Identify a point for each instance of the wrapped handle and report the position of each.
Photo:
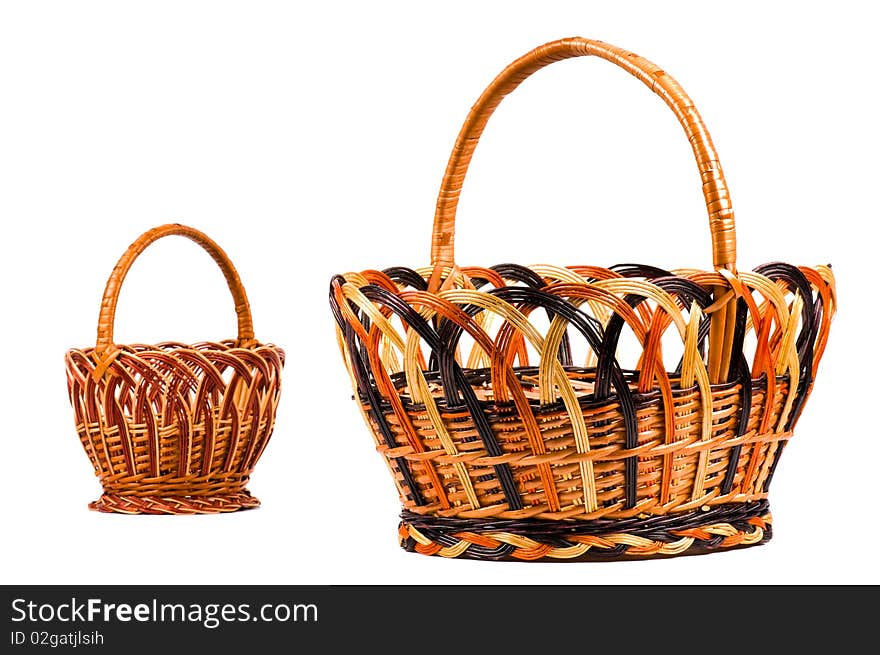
(114, 283)
(715, 191)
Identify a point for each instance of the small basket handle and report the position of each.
(114, 283)
(715, 191)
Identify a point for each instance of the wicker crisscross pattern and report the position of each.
(499, 397)
(174, 428)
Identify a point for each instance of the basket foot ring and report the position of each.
(217, 504)
(693, 533)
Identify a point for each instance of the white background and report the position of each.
(309, 138)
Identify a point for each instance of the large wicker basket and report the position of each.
(497, 454)
(174, 428)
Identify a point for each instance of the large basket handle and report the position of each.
(715, 191)
(114, 283)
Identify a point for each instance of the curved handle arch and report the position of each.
(715, 192)
(107, 314)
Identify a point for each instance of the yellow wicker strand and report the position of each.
(454, 551)
(788, 358)
(691, 353)
(479, 358)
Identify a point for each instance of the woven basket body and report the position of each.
(174, 428)
(510, 426)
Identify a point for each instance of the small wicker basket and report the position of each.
(499, 456)
(174, 428)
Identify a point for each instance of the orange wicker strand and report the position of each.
(174, 428)
(496, 457)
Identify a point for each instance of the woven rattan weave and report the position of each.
(503, 446)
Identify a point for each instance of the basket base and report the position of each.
(220, 503)
(726, 527)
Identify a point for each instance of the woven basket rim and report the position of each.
(166, 347)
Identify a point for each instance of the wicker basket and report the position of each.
(174, 428)
(497, 455)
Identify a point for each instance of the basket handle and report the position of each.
(114, 283)
(718, 204)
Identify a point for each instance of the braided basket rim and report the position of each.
(170, 346)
